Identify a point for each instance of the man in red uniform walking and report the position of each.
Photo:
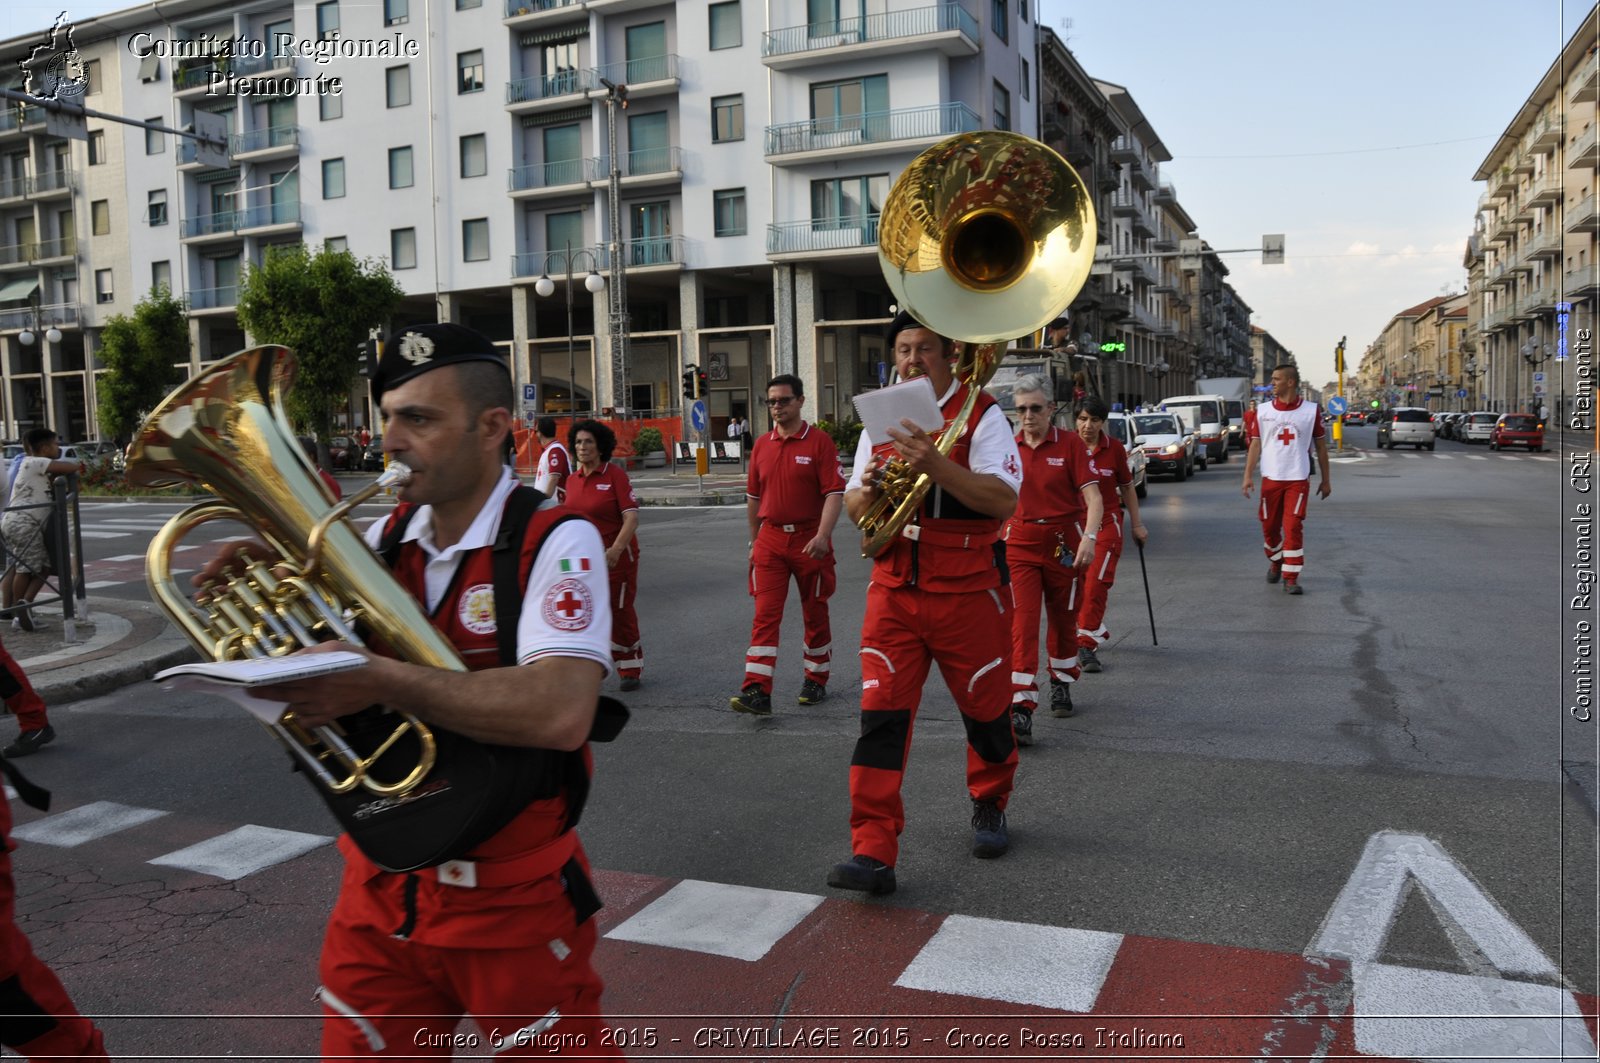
(1046, 548)
(1108, 463)
(503, 932)
(1281, 436)
(555, 464)
(937, 595)
(793, 495)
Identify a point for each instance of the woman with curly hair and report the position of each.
(601, 491)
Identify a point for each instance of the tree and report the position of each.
(140, 352)
(320, 306)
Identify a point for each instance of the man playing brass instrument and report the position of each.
(937, 595)
(503, 933)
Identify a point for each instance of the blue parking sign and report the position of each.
(530, 394)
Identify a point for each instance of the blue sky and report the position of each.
(1354, 129)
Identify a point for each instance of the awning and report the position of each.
(19, 290)
(570, 33)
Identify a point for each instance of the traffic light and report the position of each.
(700, 383)
(370, 352)
(690, 378)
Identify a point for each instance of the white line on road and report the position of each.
(85, 824)
(102, 584)
(123, 557)
(1046, 966)
(243, 852)
(738, 921)
(87, 534)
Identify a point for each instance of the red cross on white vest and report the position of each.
(1286, 436)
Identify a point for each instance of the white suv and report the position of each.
(1120, 427)
(1476, 427)
(1406, 424)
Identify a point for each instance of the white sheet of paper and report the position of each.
(234, 679)
(910, 400)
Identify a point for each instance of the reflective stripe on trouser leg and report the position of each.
(817, 582)
(626, 652)
(769, 585)
(1027, 585)
(1295, 493)
(1097, 581)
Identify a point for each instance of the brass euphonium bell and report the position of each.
(986, 236)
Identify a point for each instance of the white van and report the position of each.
(1212, 415)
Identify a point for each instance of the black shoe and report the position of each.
(29, 742)
(1061, 699)
(863, 874)
(752, 699)
(1274, 573)
(1291, 587)
(630, 682)
(1022, 726)
(991, 838)
(1087, 660)
(811, 692)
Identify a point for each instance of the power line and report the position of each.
(1342, 151)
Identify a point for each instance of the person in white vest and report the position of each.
(1281, 435)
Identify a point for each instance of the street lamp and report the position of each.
(27, 336)
(617, 96)
(592, 283)
(1159, 371)
(1470, 368)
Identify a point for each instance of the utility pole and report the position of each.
(617, 95)
(1338, 421)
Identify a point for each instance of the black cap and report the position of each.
(416, 349)
(1056, 323)
(901, 322)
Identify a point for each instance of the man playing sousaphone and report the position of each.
(503, 932)
(936, 595)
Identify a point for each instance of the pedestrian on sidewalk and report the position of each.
(1108, 464)
(1281, 437)
(26, 525)
(602, 492)
(937, 595)
(1046, 550)
(555, 464)
(792, 500)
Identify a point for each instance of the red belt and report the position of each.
(918, 534)
(530, 866)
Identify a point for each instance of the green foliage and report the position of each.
(139, 352)
(321, 307)
(648, 441)
(845, 436)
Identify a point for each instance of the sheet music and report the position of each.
(234, 680)
(912, 400)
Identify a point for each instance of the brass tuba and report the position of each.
(225, 430)
(986, 236)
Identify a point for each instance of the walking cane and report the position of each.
(1150, 608)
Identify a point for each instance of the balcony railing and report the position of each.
(35, 184)
(1582, 152)
(230, 221)
(1580, 281)
(640, 251)
(1586, 83)
(278, 136)
(17, 115)
(554, 263)
(1581, 218)
(640, 163)
(566, 83)
(533, 7)
(253, 65)
(57, 314)
(823, 234)
(213, 298)
(546, 175)
(637, 71)
(38, 250)
(888, 26)
(876, 127)
(647, 251)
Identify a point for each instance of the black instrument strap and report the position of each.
(32, 794)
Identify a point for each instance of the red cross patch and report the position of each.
(568, 605)
(1285, 435)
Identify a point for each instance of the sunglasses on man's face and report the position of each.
(1032, 409)
(780, 402)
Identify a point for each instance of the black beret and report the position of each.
(901, 322)
(416, 349)
(1056, 323)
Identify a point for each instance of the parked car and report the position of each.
(1166, 445)
(340, 449)
(1406, 424)
(93, 453)
(1477, 426)
(372, 455)
(1120, 427)
(1517, 430)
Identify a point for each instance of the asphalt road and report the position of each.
(1220, 787)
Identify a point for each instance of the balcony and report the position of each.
(60, 315)
(646, 251)
(1582, 218)
(859, 134)
(1547, 134)
(1541, 300)
(1503, 183)
(946, 28)
(224, 298)
(543, 12)
(655, 76)
(1546, 189)
(647, 166)
(1545, 243)
(1126, 205)
(798, 239)
(258, 220)
(1125, 151)
(38, 252)
(193, 77)
(261, 144)
(1166, 194)
(549, 178)
(1581, 283)
(1139, 174)
(549, 263)
(1586, 82)
(18, 118)
(534, 94)
(1582, 154)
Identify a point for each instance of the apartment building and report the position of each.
(1266, 354)
(1533, 280)
(1415, 351)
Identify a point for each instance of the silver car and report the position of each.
(1120, 428)
(1406, 424)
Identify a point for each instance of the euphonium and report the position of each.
(225, 431)
(984, 237)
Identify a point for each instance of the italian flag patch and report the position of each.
(574, 564)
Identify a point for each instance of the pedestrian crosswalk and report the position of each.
(1432, 455)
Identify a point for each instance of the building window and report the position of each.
(474, 155)
(97, 147)
(727, 118)
(841, 106)
(1002, 107)
(332, 178)
(155, 141)
(396, 12)
(100, 217)
(1026, 78)
(400, 172)
(475, 240)
(727, 28)
(327, 19)
(397, 86)
(469, 72)
(156, 208)
(1002, 20)
(161, 275)
(103, 291)
(467, 5)
(91, 72)
(336, 244)
(403, 248)
(330, 106)
(1022, 10)
(847, 202)
(728, 212)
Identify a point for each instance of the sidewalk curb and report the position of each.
(694, 500)
(100, 681)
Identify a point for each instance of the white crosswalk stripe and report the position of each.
(84, 824)
(102, 584)
(88, 533)
(243, 851)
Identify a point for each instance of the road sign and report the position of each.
(213, 150)
(1538, 378)
(1461, 393)
(1272, 249)
(883, 373)
(530, 394)
(697, 415)
(1338, 404)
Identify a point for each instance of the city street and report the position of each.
(1371, 774)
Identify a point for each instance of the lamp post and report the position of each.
(1159, 371)
(1470, 368)
(1537, 354)
(27, 337)
(592, 283)
(617, 96)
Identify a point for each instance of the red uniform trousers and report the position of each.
(627, 652)
(1037, 572)
(779, 554)
(387, 996)
(1283, 520)
(1097, 581)
(37, 1019)
(906, 630)
(19, 694)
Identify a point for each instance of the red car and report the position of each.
(1517, 430)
